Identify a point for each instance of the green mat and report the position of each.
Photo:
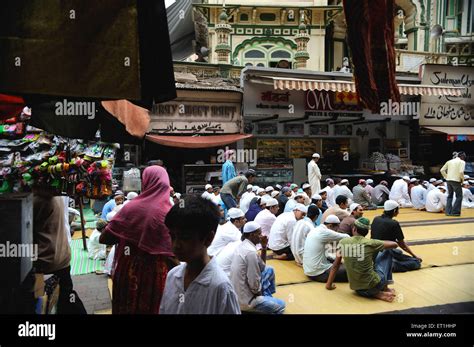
(90, 218)
(80, 262)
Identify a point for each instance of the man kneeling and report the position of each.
(367, 278)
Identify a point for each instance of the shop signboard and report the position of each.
(448, 110)
(190, 118)
(322, 100)
(261, 100)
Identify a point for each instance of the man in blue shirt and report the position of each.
(228, 169)
(109, 206)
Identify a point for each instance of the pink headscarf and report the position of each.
(141, 222)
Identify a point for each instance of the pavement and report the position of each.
(93, 291)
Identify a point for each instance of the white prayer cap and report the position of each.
(250, 227)
(260, 190)
(441, 187)
(432, 180)
(255, 188)
(425, 183)
(390, 205)
(269, 189)
(278, 186)
(406, 178)
(466, 177)
(272, 202)
(471, 181)
(299, 194)
(413, 180)
(438, 181)
(316, 197)
(249, 186)
(316, 155)
(301, 207)
(344, 181)
(264, 199)
(465, 183)
(306, 185)
(370, 181)
(131, 195)
(332, 219)
(209, 186)
(353, 207)
(235, 213)
(275, 193)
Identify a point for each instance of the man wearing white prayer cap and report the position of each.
(249, 191)
(275, 193)
(356, 211)
(315, 261)
(208, 192)
(261, 191)
(467, 196)
(282, 228)
(267, 216)
(227, 232)
(342, 189)
(314, 174)
(269, 189)
(369, 187)
(252, 280)
(278, 187)
(436, 200)
(399, 192)
(307, 193)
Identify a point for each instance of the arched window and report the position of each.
(244, 17)
(248, 64)
(281, 55)
(261, 64)
(254, 54)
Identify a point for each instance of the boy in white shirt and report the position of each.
(97, 250)
(199, 285)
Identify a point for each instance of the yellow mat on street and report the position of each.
(412, 215)
(443, 254)
(438, 232)
(422, 288)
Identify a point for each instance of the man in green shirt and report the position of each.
(367, 277)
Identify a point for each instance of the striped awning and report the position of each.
(349, 86)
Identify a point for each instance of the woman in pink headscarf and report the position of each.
(144, 246)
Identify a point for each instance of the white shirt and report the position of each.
(298, 238)
(314, 177)
(418, 196)
(224, 258)
(209, 293)
(216, 199)
(290, 205)
(224, 234)
(435, 201)
(246, 274)
(315, 260)
(430, 187)
(467, 198)
(453, 170)
(245, 201)
(331, 198)
(281, 231)
(265, 219)
(368, 189)
(206, 195)
(399, 191)
(342, 190)
(96, 250)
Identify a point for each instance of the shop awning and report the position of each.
(283, 83)
(196, 141)
(454, 130)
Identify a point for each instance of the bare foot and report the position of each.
(385, 296)
(389, 290)
(280, 257)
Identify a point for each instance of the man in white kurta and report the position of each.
(418, 196)
(436, 200)
(314, 174)
(399, 192)
(467, 196)
(227, 232)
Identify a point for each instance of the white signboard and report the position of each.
(261, 100)
(195, 118)
(448, 110)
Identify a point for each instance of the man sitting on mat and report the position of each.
(366, 277)
(316, 264)
(386, 228)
